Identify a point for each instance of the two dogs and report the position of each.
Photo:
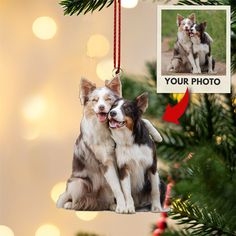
(192, 49)
(94, 183)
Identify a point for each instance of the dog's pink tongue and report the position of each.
(112, 124)
(102, 117)
(117, 125)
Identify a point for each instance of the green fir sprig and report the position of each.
(200, 220)
(78, 7)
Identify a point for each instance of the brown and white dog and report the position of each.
(94, 183)
(183, 60)
(135, 153)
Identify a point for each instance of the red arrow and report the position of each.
(172, 114)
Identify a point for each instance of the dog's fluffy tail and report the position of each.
(153, 131)
(209, 37)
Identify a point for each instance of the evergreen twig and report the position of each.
(200, 221)
(72, 7)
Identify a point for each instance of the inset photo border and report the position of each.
(193, 49)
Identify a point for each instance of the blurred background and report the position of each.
(43, 54)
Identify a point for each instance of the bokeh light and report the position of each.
(57, 190)
(44, 27)
(5, 231)
(34, 108)
(104, 69)
(47, 230)
(97, 46)
(129, 3)
(86, 215)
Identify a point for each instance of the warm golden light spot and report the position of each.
(129, 3)
(47, 230)
(234, 101)
(57, 190)
(104, 69)
(97, 46)
(5, 231)
(218, 140)
(34, 108)
(86, 216)
(44, 27)
(177, 96)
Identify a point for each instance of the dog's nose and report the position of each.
(113, 113)
(101, 107)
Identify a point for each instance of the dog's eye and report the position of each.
(127, 109)
(108, 99)
(94, 100)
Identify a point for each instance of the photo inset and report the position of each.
(194, 49)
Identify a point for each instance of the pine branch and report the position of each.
(223, 124)
(175, 144)
(197, 117)
(78, 7)
(175, 233)
(205, 183)
(200, 221)
(86, 234)
(151, 67)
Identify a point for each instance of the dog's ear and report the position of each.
(86, 87)
(115, 85)
(179, 19)
(192, 17)
(204, 24)
(142, 102)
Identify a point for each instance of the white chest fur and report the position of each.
(98, 137)
(201, 49)
(95, 132)
(136, 157)
(185, 41)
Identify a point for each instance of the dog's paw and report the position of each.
(112, 207)
(156, 208)
(60, 203)
(170, 68)
(121, 209)
(130, 208)
(68, 205)
(211, 72)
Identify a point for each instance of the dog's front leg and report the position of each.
(126, 187)
(198, 64)
(210, 69)
(113, 181)
(155, 194)
(192, 62)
